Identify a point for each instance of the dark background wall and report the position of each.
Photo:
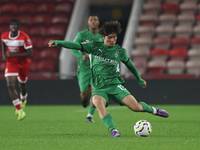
(158, 91)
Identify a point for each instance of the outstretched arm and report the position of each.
(134, 71)
(66, 44)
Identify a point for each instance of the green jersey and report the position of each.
(105, 63)
(85, 36)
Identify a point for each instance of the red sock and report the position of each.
(16, 103)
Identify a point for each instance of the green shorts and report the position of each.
(112, 92)
(84, 80)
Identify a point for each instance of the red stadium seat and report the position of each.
(26, 19)
(46, 66)
(27, 7)
(38, 42)
(33, 67)
(49, 53)
(156, 66)
(162, 42)
(46, 7)
(43, 18)
(65, 6)
(61, 18)
(4, 28)
(10, 7)
(38, 30)
(159, 54)
(57, 29)
(182, 43)
(178, 54)
(36, 54)
(170, 8)
(5, 18)
(25, 29)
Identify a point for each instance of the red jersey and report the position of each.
(18, 44)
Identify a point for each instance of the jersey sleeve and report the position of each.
(124, 56)
(75, 52)
(27, 42)
(87, 47)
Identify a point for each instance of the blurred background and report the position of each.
(162, 38)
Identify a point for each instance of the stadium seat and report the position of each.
(175, 67)
(193, 67)
(196, 31)
(170, 8)
(5, 18)
(167, 19)
(146, 31)
(156, 66)
(42, 18)
(38, 42)
(38, 30)
(151, 8)
(162, 42)
(194, 54)
(49, 53)
(36, 54)
(183, 31)
(140, 54)
(46, 66)
(57, 29)
(141, 66)
(61, 18)
(188, 7)
(148, 20)
(9, 7)
(27, 7)
(26, 19)
(186, 19)
(25, 29)
(159, 54)
(178, 54)
(182, 43)
(45, 7)
(33, 67)
(64, 6)
(142, 43)
(164, 31)
(4, 28)
(195, 42)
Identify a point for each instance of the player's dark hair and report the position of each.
(15, 21)
(110, 27)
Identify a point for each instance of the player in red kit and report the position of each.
(17, 52)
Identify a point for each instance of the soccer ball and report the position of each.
(142, 128)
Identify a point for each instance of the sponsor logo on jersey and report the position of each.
(100, 50)
(116, 55)
(107, 60)
(28, 41)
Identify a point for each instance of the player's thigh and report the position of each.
(23, 74)
(84, 81)
(131, 103)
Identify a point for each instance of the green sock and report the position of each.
(91, 110)
(146, 108)
(108, 121)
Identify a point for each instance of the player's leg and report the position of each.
(14, 96)
(84, 97)
(132, 104)
(100, 104)
(91, 109)
(23, 94)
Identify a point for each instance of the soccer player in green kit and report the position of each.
(84, 73)
(107, 81)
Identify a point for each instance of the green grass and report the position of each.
(65, 128)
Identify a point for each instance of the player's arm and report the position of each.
(76, 53)
(134, 71)
(4, 49)
(28, 53)
(66, 44)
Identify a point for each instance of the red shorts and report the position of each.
(20, 71)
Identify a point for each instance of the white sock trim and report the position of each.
(16, 102)
(23, 96)
(89, 115)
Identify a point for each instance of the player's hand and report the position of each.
(51, 44)
(85, 57)
(144, 84)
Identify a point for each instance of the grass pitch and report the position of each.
(65, 128)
